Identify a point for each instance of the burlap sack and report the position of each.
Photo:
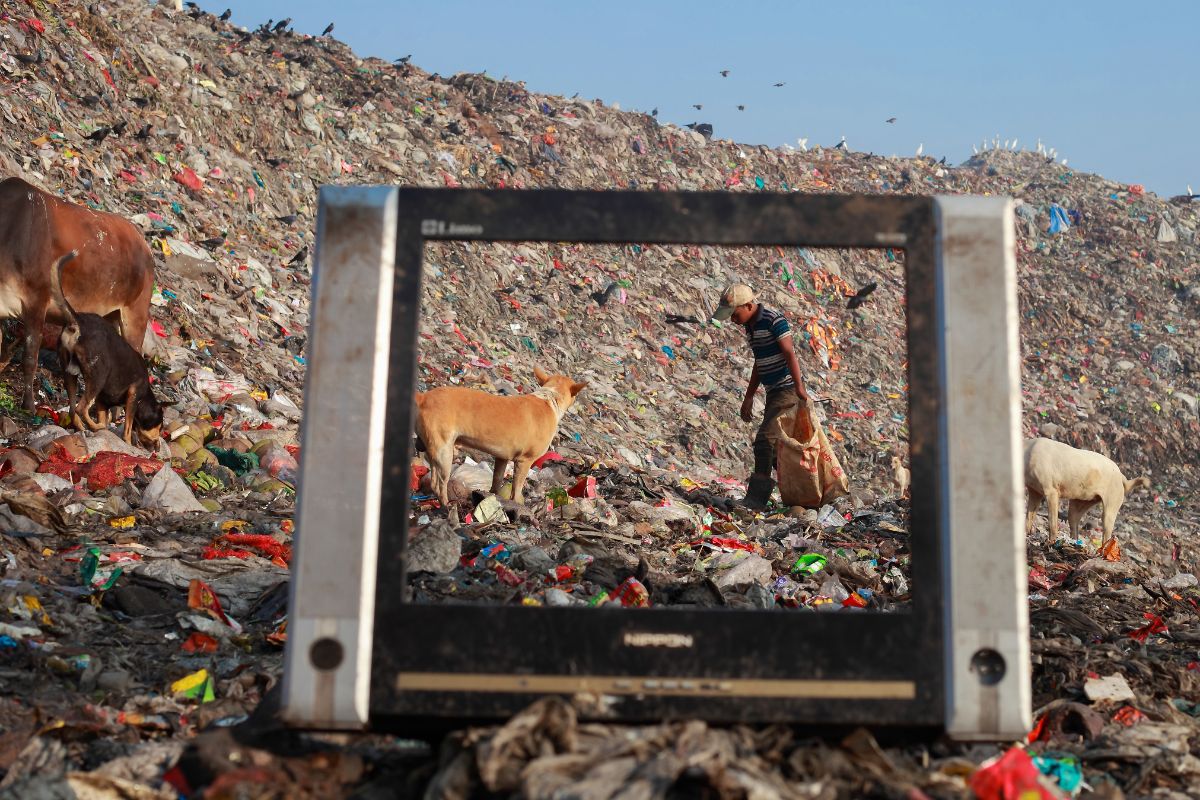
(810, 474)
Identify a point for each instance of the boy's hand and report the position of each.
(748, 408)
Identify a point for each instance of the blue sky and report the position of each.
(1113, 86)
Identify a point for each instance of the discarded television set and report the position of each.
(955, 661)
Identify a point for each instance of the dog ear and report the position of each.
(576, 388)
(541, 375)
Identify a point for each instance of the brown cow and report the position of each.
(112, 276)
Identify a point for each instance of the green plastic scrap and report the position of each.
(1062, 768)
(811, 563)
(203, 481)
(87, 567)
(239, 462)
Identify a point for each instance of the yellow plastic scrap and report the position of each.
(35, 607)
(123, 523)
(197, 686)
(233, 524)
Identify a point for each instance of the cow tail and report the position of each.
(57, 284)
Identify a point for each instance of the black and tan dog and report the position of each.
(114, 374)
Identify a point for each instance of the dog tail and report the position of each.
(56, 283)
(1137, 483)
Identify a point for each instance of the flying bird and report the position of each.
(328, 30)
(724, 73)
(741, 108)
(781, 83)
(697, 106)
(890, 120)
(861, 295)
(226, 15)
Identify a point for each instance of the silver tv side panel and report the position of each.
(984, 580)
(327, 666)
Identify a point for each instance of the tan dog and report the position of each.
(900, 477)
(517, 429)
(1055, 471)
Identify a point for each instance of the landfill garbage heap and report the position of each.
(142, 595)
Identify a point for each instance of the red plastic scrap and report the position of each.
(547, 458)
(1128, 716)
(418, 471)
(200, 643)
(259, 544)
(1156, 625)
(586, 487)
(201, 597)
(1012, 776)
(106, 470)
(109, 469)
(188, 178)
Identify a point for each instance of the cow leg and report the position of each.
(7, 348)
(133, 324)
(33, 320)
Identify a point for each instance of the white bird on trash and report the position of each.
(803, 143)
(920, 149)
(975, 149)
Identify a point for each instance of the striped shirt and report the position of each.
(764, 333)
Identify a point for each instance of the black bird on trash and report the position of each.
(328, 30)
(213, 243)
(226, 15)
(300, 256)
(607, 294)
(286, 220)
(654, 112)
(119, 128)
(283, 23)
(861, 296)
(403, 60)
(99, 134)
(144, 133)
